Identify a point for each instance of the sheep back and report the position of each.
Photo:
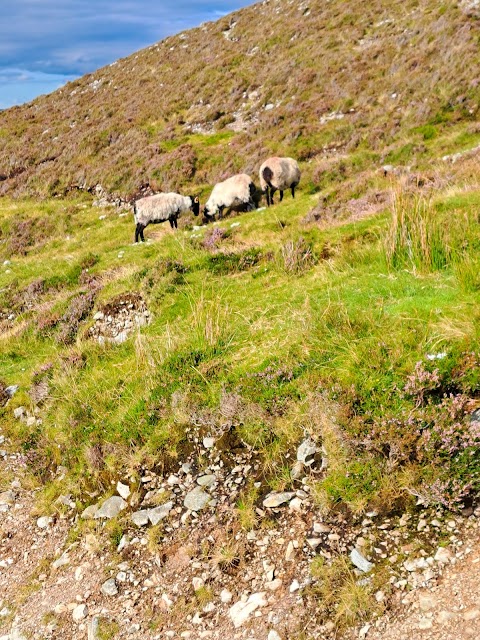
(279, 173)
(160, 207)
(231, 192)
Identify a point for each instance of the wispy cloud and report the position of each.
(63, 39)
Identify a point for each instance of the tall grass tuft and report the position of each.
(417, 237)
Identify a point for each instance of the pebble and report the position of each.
(196, 499)
(241, 611)
(80, 612)
(208, 443)
(226, 596)
(273, 635)
(111, 508)
(277, 499)
(360, 561)
(44, 521)
(109, 587)
(123, 490)
(425, 623)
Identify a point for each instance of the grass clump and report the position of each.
(339, 594)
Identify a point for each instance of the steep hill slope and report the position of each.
(343, 85)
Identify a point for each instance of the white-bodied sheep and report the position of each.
(235, 192)
(279, 173)
(160, 208)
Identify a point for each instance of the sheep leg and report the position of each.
(281, 195)
(294, 184)
(139, 232)
(272, 191)
(220, 212)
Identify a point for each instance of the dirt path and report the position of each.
(448, 610)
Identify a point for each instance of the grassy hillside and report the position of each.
(340, 85)
(261, 326)
(348, 316)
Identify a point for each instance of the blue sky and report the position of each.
(45, 43)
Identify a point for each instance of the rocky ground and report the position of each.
(172, 556)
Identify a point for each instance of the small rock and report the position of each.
(44, 521)
(197, 583)
(274, 584)
(206, 481)
(443, 555)
(360, 561)
(140, 518)
(290, 552)
(295, 586)
(277, 499)
(159, 513)
(19, 412)
(241, 611)
(226, 596)
(80, 612)
(111, 507)
(208, 443)
(62, 561)
(92, 628)
(89, 512)
(11, 390)
(196, 499)
(123, 490)
(425, 623)
(306, 452)
(109, 587)
(445, 616)
(273, 635)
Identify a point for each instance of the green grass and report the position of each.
(267, 318)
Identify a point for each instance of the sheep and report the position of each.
(278, 173)
(235, 192)
(161, 207)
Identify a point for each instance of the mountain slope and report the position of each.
(320, 81)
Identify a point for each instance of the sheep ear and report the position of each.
(196, 199)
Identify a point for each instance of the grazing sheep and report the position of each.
(162, 207)
(232, 193)
(281, 174)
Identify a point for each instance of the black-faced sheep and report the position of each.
(160, 208)
(278, 173)
(235, 192)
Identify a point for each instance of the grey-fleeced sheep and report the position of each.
(234, 192)
(160, 208)
(279, 173)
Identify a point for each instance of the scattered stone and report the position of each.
(80, 612)
(123, 490)
(11, 390)
(306, 452)
(196, 499)
(425, 623)
(159, 513)
(109, 587)
(111, 508)
(241, 611)
(140, 518)
(197, 583)
(44, 521)
(445, 616)
(19, 412)
(62, 561)
(89, 512)
(277, 499)
(226, 596)
(443, 555)
(206, 481)
(290, 552)
(360, 561)
(295, 586)
(208, 443)
(93, 628)
(273, 635)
